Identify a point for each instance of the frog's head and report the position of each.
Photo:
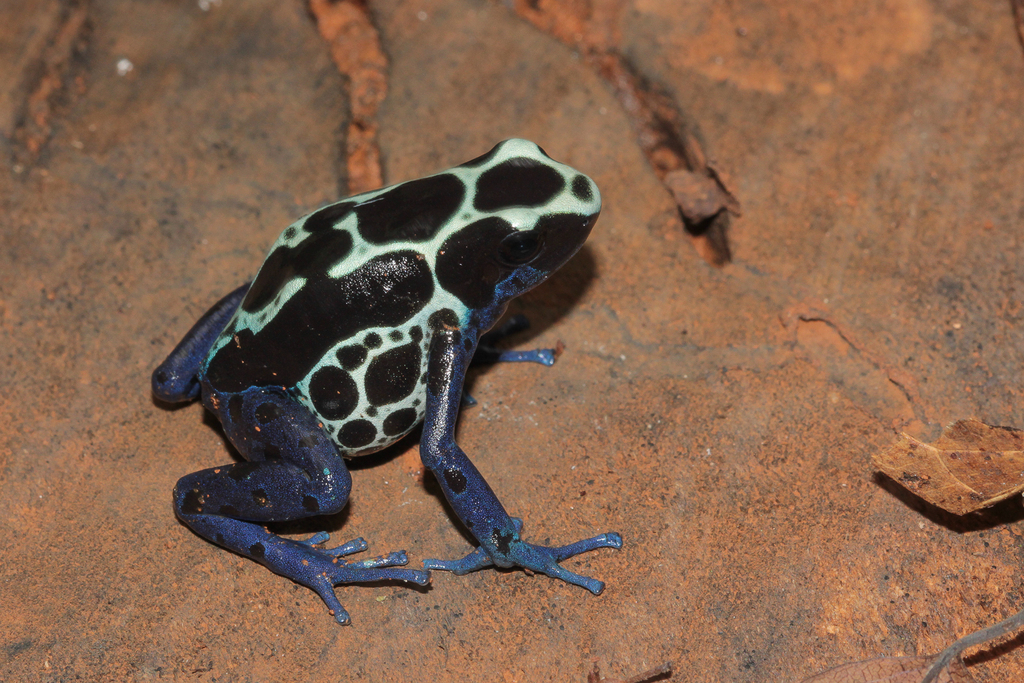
(531, 215)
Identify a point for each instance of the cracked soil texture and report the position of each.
(722, 420)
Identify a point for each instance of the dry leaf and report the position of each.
(971, 466)
(892, 670)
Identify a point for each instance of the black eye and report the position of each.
(519, 248)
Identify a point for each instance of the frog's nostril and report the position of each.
(161, 377)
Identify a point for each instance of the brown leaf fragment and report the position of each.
(971, 466)
(892, 670)
(699, 197)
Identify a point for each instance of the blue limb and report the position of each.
(177, 378)
(293, 471)
(469, 494)
(478, 559)
(356, 545)
(487, 354)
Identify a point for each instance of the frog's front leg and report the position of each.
(467, 491)
(177, 378)
(294, 471)
(486, 352)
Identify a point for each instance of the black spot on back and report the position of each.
(399, 421)
(311, 504)
(411, 211)
(465, 265)
(259, 496)
(520, 181)
(257, 550)
(392, 375)
(311, 257)
(327, 217)
(351, 357)
(289, 233)
(384, 292)
(581, 189)
(416, 333)
(395, 335)
(333, 392)
(373, 340)
(357, 433)
(228, 511)
(271, 452)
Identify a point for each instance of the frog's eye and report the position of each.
(519, 248)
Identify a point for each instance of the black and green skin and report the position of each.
(360, 324)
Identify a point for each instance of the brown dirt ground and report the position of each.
(722, 420)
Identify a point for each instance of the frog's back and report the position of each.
(342, 311)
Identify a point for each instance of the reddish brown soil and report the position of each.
(721, 419)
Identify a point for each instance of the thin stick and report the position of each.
(976, 638)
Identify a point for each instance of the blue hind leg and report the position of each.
(294, 471)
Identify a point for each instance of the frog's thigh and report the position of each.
(295, 470)
(176, 379)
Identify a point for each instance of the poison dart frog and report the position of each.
(359, 325)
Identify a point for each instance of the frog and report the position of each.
(360, 325)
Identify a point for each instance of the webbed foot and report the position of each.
(536, 558)
(322, 570)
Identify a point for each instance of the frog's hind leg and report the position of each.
(294, 471)
(177, 378)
